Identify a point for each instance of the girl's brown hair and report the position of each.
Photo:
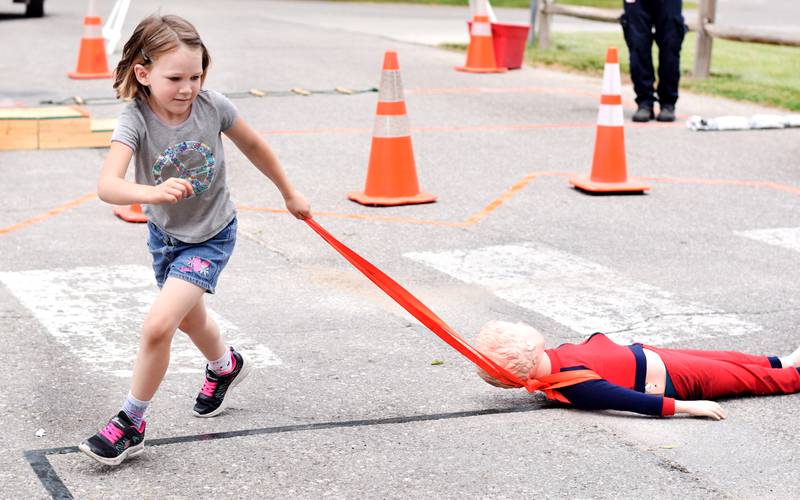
(155, 35)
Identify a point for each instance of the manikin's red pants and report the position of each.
(700, 374)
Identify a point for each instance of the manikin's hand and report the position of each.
(171, 190)
(710, 409)
(297, 205)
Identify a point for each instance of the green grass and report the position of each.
(759, 73)
(764, 74)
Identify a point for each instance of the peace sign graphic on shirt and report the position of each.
(182, 160)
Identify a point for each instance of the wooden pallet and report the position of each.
(57, 127)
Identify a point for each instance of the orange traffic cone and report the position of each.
(92, 61)
(131, 213)
(480, 53)
(609, 172)
(392, 173)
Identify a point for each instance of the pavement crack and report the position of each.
(258, 241)
(667, 463)
(10, 315)
(649, 319)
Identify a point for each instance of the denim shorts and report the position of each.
(197, 263)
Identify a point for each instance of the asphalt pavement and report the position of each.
(351, 396)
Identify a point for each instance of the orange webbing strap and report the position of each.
(558, 380)
(442, 329)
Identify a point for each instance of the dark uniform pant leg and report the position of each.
(638, 22)
(670, 30)
(637, 26)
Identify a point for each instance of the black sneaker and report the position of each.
(644, 113)
(118, 440)
(666, 113)
(216, 387)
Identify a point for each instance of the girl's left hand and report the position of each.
(298, 206)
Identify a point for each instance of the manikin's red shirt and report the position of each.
(623, 370)
(613, 362)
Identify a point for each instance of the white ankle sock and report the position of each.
(135, 409)
(222, 365)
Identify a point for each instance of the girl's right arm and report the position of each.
(113, 188)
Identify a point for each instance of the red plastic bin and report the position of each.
(509, 42)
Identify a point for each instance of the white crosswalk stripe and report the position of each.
(97, 313)
(786, 237)
(583, 295)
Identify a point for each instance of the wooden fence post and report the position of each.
(545, 18)
(532, 30)
(706, 13)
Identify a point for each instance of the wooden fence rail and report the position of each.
(705, 27)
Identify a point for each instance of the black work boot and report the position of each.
(666, 113)
(644, 113)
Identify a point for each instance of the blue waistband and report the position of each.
(641, 373)
(641, 367)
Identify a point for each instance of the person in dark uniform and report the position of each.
(643, 22)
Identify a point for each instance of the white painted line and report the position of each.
(584, 296)
(786, 237)
(97, 312)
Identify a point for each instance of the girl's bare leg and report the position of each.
(176, 300)
(203, 331)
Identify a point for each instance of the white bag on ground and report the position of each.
(767, 121)
(762, 121)
(722, 123)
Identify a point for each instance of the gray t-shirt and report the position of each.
(191, 150)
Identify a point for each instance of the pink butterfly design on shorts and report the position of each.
(196, 265)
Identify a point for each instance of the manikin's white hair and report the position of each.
(510, 345)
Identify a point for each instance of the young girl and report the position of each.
(172, 128)
(638, 378)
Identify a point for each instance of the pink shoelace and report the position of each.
(208, 388)
(112, 433)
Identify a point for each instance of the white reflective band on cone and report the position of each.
(610, 115)
(391, 88)
(481, 29)
(391, 126)
(611, 83)
(93, 31)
